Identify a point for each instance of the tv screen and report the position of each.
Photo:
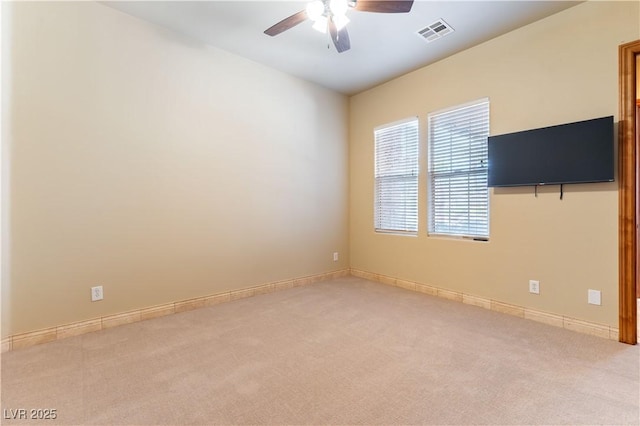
(580, 152)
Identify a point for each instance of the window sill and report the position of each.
(396, 233)
(459, 237)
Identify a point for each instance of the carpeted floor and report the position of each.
(346, 351)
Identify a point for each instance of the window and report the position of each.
(458, 193)
(396, 177)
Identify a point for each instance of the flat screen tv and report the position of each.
(580, 152)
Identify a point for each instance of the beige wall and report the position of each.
(557, 70)
(157, 167)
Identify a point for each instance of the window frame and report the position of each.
(432, 229)
(415, 175)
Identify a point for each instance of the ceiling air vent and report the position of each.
(435, 31)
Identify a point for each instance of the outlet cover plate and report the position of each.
(534, 286)
(595, 297)
(96, 293)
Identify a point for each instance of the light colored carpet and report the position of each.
(346, 351)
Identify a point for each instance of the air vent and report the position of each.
(435, 31)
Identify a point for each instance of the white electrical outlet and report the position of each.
(96, 293)
(594, 297)
(335, 256)
(534, 286)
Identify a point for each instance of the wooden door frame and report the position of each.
(628, 170)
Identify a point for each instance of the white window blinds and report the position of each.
(396, 177)
(458, 193)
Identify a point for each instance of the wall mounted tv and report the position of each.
(580, 152)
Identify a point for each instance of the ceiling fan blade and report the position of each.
(384, 6)
(340, 38)
(287, 23)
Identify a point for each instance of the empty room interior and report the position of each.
(237, 212)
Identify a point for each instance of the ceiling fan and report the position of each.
(331, 15)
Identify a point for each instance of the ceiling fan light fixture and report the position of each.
(338, 7)
(315, 10)
(321, 24)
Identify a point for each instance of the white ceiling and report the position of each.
(383, 46)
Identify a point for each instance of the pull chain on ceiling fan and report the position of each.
(331, 15)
